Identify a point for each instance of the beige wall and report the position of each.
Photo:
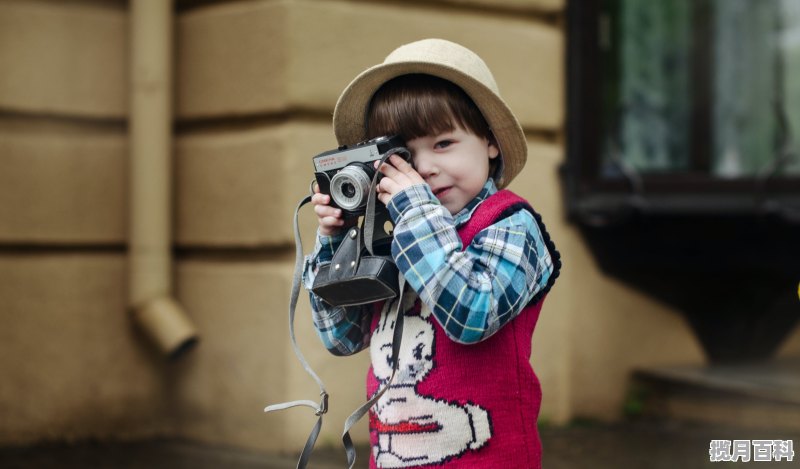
(255, 87)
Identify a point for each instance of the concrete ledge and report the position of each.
(531, 6)
(240, 187)
(73, 367)
(245, 362)
(63, 58)
(759, 395)
(536, 6)
(231, 60)
(64, 185)
(271, 57)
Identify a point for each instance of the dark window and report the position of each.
(683, 158)
(686, 96)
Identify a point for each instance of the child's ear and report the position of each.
(494, 149)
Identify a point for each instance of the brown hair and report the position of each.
(420, 105)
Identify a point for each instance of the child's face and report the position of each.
(454, 164)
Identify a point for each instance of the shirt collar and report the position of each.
(465, 213)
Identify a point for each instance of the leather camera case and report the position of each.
(354, 277)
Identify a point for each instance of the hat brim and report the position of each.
(349, 116)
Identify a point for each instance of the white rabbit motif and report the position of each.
(414, 429)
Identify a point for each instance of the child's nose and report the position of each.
(425, 166)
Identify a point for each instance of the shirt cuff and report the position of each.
(410, 197)
(324, 248)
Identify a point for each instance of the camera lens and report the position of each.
(348, 190)
(350, 187)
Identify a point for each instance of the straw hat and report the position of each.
(451, 62)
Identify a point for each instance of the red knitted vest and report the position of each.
(454, 405)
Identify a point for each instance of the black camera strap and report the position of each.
(322, 408)
(369, 221)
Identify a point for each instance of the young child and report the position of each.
(477, 260)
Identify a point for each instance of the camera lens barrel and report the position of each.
(350, 186)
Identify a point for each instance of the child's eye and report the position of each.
(443, 143)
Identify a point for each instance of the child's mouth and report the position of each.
(441, 192)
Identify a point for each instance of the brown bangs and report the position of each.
(419, 105)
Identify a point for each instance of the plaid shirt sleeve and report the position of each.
(343, 330)
(472, 293)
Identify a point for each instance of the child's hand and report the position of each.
(329, 218)
(397, 176)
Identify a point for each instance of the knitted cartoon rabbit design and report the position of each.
(414, 429)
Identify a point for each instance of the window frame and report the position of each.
(674, 192)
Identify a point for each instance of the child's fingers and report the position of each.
(320, 199)
(385, 197)
(388, 170)
(329, 226)
(331, 222)
(387, 185)
(329, 218)
(400, 171)
(402, 165)
(405, 168)
(327, 211)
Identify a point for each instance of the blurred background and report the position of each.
(152, 153)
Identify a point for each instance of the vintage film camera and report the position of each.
(362, 270)
(346, 172)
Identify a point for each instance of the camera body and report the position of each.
(345, 173)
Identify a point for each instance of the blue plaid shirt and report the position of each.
(472, 293)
